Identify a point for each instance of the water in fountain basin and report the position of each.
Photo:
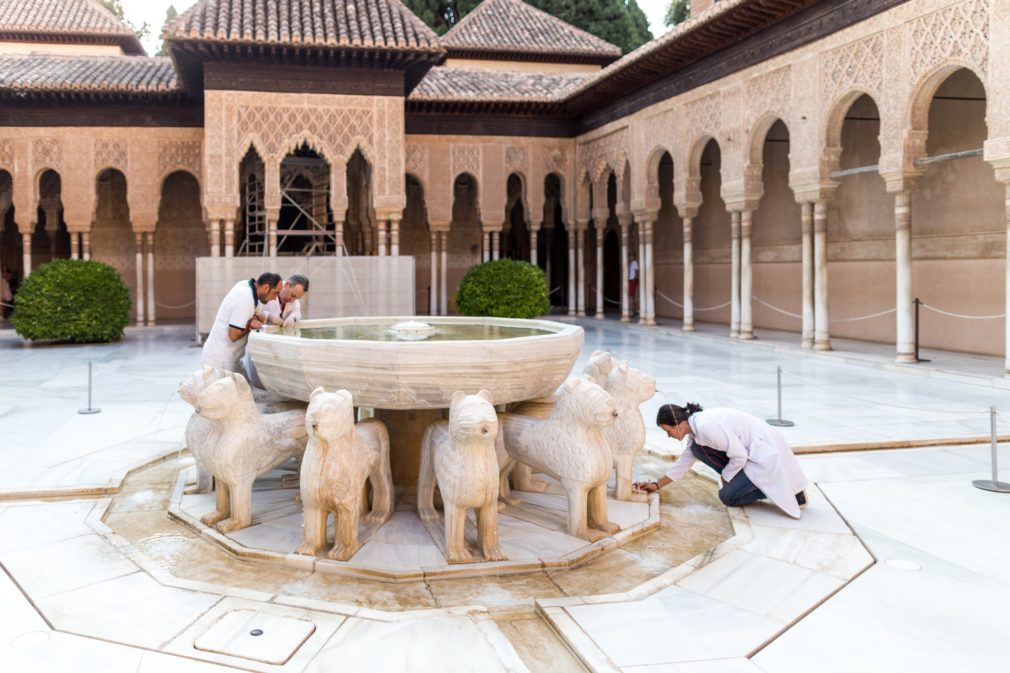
(452, 332)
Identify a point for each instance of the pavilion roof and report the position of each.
(62, 21)
(447, 84)
(26, 75)
(512, 29)
(366, 24)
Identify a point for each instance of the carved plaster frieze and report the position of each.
(47, 153)
(111, 153)
(517, 160)
(769, 93)
(857, 65)
(416, 157)
(599, 154)
(174, 155)
(957, 33)
(7, 154)
(466, 159)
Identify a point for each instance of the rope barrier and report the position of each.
(959, 315)
(777, 309)
(171, 308)
(554, 290)
(864, 317)
(696, 308)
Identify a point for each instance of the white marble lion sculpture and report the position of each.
(341, 456)
(245, 444)
(460, 455)
(199, 430)
(570, 446)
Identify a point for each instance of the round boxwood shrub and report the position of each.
(72, 300)
(504, 288)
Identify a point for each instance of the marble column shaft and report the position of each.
(214, 238)
(85, 245)
(394, 238)
(580, 249)
(150, 280)
(571, 271)
(649, 295)
(443, 270)
(734, 311)
(688, 325)
(433, 282)
(807, 256)
(533, 248)
(625, 298)
(903, 276)
(229, 238)
(822, 340)
(746, 277)
(598, 225)
(642, 319)
(139, 294)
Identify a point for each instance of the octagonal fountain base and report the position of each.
(532, 534)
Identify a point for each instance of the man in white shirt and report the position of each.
(286, 309)
(236, 317)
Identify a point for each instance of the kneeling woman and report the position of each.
(754, 460)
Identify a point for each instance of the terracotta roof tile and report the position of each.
(48, 73)
(58, 19)
(447, 84)
(514, 26)
(315, 23)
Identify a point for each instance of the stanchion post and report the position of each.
(917, 303)
(89, 410)
(780, 422)
(995, 484)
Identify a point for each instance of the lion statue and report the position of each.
(460, 454)
(341, 456)
(199, 430)
(570, 445)
(630, 388)
(245, 445)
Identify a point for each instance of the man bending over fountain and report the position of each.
(286, 309)
(236, 317)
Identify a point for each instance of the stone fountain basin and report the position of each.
(417, 374)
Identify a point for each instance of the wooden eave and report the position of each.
(504, 54)
(128, 43)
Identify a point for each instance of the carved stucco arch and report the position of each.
(523, 194)
(753, 168)
(476, 193)
(561, 191)
(915, 116)
(831, 129)
(652, 186)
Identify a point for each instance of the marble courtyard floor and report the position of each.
(899, 563)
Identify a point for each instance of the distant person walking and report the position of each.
(236, 317)
(753, 459)
(633, 283)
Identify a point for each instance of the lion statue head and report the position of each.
(630, 384)
(196, 382)
(223, 397)
(329, 415)
(583, 401)
(472, 416)
(599, 366)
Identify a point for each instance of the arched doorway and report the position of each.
(711, 242)
(612, 272)
(305, 224)
(465, 232)
(251, 234)
(359, 222)
(50, 238)
(415, 240)
(668, 244)
(552, 253)
(112, 238)
(179, 239)
(516, 241)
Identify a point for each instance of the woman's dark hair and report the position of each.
(671, 414)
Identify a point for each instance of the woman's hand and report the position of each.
(647, 486)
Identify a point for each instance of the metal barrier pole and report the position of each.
(779, 422)
(995, 484)
(90, 410)
(917, 303)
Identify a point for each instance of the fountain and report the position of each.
(405, 373)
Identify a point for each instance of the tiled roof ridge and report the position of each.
(453, 38)
(72, 73)
(386, 24)
(457, 84)
(19, 17)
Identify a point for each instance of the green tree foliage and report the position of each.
(678, 12)
(170, 14)
(441, 15)
(620, 22)
(72, 300)
(116, 7)
(504, 288)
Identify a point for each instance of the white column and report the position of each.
(746, 278)
(443, 270)
(85, 245)
(642, 318)
(599, 269)
(26, 253)
(903, 275)
(572, 271)
(485, 247)
(394, 238)
(229, 238)
(649, 294)
(533, 249)
(139, 236)
(625, 299)
(150, 280)
(688, 276)
(271, 235)
(734, 315)
(495, 244)
(338, 235)
(215, 238)
(580, 253)
(822, 342)
(1006, 321)
(75, 248)
(807, 223)
(380, 241)
(433, 282)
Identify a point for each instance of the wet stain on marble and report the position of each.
(539, 646)
(366, 593)
(507, 590)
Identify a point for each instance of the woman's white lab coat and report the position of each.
(756, 448)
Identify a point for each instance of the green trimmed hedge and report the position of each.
(72, 300)
(504, 288)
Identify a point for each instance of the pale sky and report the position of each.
(153, 12)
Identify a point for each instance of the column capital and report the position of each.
(600, 215)
(582, 224)
(814, 192)
(645, 215)
(436, 227)
(901, 181)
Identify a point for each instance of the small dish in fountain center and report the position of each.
(412, 330)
